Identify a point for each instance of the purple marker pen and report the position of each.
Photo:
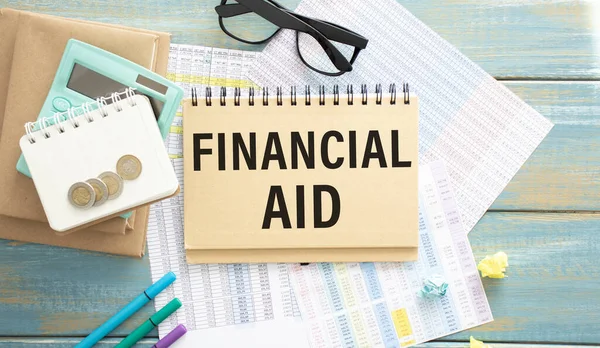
(171, 337)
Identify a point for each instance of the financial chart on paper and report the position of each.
(201, 67)
(217, 299)
(377, 304)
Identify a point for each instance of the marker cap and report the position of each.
(171, 337)
(149, 324)
(166, 311)
(160, 285)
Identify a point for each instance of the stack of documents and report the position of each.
(31, 47)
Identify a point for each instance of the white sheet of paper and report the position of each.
(482, 131)
(377, 304)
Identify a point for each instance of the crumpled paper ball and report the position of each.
(494, 266)
(434, 286)
(478, 344)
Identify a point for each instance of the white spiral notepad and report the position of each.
(87, 141)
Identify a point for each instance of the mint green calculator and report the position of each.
(87, 73)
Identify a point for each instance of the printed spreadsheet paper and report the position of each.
(482, 131)
(376, 304)
(223, 305)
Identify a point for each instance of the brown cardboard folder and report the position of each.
(228, 184)
(25, 77)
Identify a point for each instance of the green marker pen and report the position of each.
(150, 324)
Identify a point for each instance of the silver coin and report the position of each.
(113, 182)
(100, 189)
(82, 195)
(129, 167)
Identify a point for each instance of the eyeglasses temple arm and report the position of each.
(335, 32)
(231, 10)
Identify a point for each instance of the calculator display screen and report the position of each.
(94, 85)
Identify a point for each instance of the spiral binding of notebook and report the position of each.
(74, 115)
(307, 95)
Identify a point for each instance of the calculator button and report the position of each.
(61, 104)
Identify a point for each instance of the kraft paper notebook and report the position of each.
(287, 178)
(132, 241)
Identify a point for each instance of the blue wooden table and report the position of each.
(547, 219)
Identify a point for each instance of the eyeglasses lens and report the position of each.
(248, 27)
(315, 56)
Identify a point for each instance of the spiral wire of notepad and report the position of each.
(85, 111)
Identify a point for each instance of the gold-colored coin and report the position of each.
(82, 195)
(113, 182)
(129, 167)
(100, 189)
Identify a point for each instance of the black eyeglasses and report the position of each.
(314, 38)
